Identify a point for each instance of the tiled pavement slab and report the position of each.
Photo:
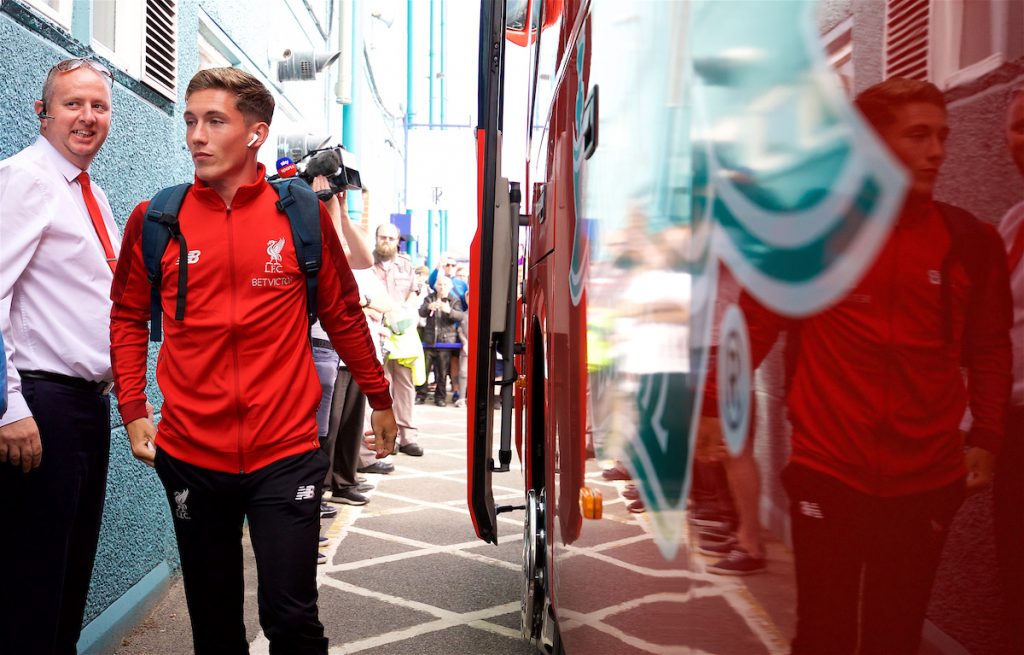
(406, 572)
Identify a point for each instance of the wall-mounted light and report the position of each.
(303, 64)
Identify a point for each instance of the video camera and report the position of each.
(335, 163)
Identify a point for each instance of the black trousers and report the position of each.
(51, 521)
(282, 503)
(864, 564)
(344, 432)
(436, 360)
(1008, 499)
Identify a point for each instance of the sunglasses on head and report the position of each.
(69, 65)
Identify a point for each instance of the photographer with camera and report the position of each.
(443, 311)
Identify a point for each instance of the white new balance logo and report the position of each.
(812, 510)
(305, 493)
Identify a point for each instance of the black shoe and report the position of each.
(421, 400)
(382, 468)
(738, 562)
(636, 507)
(364, 487)
(348, 497)
(617, 472)
(327, 512)
(440, 402)
(411, 449)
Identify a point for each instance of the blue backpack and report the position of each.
(295, 198)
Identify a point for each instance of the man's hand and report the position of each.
(20, 444)
(981, 466)
(335, 205)
(446, 306)
(142, 435)
(384, 431)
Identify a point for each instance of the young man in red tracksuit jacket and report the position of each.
(238, 437)
(875, 398)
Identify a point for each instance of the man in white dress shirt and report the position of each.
(58, 243)
(1009, 480)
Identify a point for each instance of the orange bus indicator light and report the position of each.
(591, 503)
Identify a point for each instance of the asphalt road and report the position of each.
(406, 573)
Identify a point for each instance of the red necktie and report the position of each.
(97, 219)
(1017, 249)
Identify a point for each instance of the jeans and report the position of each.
(326, 362)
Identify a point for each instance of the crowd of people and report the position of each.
(285, 373)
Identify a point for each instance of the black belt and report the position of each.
(321, 343)
(101, 388)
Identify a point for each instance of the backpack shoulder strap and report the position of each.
(300, 203)
(968, 246)
(158, 228)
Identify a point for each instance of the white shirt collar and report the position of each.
(63, 166)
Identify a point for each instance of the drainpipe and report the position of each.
(350, 110)
(444, 81)
(431, 239)
(409, 82)
(343, 84)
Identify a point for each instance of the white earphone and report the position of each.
(252, 140)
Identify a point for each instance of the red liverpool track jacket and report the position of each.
(877, 387)
(240, 389)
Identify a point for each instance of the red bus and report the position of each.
(689, 166)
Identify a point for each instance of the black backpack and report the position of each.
(295, 198)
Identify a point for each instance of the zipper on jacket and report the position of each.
(885, 425)
(232, 311)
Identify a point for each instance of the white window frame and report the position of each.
(840, 58)
(129, 52)
(129, 37)
(945, 30)
(60, 16)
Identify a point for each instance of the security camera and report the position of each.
(303, 64)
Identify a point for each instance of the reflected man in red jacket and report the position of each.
(875, 397)
(238, 439)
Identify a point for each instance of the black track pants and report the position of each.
(282, 503)
(864, 564)
(51, 521)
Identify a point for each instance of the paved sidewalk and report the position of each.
(406, 573)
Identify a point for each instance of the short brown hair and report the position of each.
(252, 98)
(879, 103)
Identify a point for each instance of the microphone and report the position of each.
(286, 167)
(325, 162)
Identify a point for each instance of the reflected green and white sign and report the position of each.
(796, 190)
(745, 152)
